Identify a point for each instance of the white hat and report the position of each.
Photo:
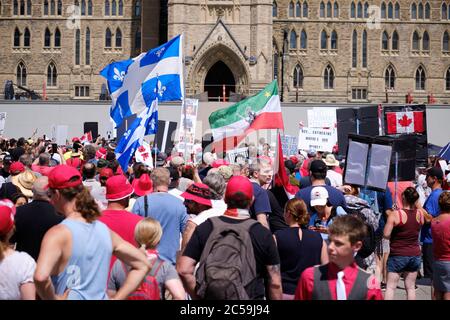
(319, 196)
(177, 161)
(208, 157)
(331, 161)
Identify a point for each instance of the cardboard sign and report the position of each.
(289, 145)
(2, 122)
(59, 134)
(186, 131)
(322, 118)
(317, 139)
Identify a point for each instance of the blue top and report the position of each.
(339, 212)
(171, 214)
(261, 203)
(432, 207)
(335, 197)
(379, 202)
(86, 273)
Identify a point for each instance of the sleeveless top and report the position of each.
(296, 255)
(86, 273)
(405, 236)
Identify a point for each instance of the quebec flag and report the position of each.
(135, 83)
(146, 123)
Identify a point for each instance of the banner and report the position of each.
(186, 131)
(143, 154)
(322, 118)
(289, 145)
(317, 139)
(2, 122)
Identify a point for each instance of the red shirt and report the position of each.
(440, 231)
(306, 283)
(123, 223)
(44, 170)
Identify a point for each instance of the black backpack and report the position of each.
(227, 264)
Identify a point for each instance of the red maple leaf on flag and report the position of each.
(141, 149)
(405, 121)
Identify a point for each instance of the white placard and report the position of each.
(186, 130)
(59, 134)
(235, 152)
(317, 139)
(322, 118)
(2, 122)
(443, 165)
(143, 154)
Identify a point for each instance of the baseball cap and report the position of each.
(16, 168)
(176, 161)
(143, 185)
(7, 159)
(118, 188)
(239, 184)
(318, 166)
(76, 139)
(319, 196)
(101, 153)
(6, 218)
(64, 176)
(432, 172)
(106, 173)
(198, 192)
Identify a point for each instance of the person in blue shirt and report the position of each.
(434, 179)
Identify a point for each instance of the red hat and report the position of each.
(239, 184)
(143, 185)
(76, 139)
(219, 162)
(199, 193)
(294, 159)
(16, 168)
(118, 188)
(6, 219)
(106, 172)
(64, 176)
(101, 153)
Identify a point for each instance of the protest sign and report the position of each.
(186, 131)
(143, 154)
(322, 118)
(59, 134)
(289, 145)
(2, 122)
(317, 139)
(236, 155)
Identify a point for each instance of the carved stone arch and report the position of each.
(208, 57)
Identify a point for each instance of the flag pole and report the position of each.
(183, 102)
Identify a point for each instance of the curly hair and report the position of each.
(84, 203)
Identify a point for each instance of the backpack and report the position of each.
(149, 288)
(227, 264)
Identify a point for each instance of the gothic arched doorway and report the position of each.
(218, 76)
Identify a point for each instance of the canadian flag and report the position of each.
(87, 137)
(404, 122)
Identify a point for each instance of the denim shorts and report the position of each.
(399, 264)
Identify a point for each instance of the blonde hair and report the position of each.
(148, 233)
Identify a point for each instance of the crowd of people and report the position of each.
(75, 225)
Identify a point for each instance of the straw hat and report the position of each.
(25, 181)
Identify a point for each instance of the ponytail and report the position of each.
(84, 202)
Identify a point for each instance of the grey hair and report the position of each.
(26, 159)
(44, 159)
(217, 184)
(40, 188)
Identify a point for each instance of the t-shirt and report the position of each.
(171, 214)
(264, 248)
(335, 197)
(15, 270)
(276, 217)
(165, 273)
(335, 178)
(44, 170)
(306, 182)
(32, 222)
(261, 203)
(339, 212)
(121, 222)
(432, 207)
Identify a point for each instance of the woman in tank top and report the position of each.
(402, 229)
(74, 259)
(298, 247)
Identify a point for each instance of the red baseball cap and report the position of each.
(198, 192)
(294, 159)
(118, 187)
(220, 162)
(6, 219)
(239, 184)
(64, 176)
(143, 185)
(101, 153)
(16, 168)
(76, 139)
(106, 172)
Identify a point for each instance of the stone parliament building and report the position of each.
(333, 51)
